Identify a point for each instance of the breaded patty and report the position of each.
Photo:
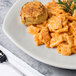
(33, 13)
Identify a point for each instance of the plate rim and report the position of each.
(25, 51)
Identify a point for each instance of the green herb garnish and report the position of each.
(67, 6)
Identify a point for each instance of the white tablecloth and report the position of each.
(7, 70)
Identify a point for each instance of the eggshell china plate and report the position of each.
(17, 32)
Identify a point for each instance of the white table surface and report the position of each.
(41, 67)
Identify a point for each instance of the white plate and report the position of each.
(17, 32)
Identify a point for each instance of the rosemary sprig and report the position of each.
(67, 6)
